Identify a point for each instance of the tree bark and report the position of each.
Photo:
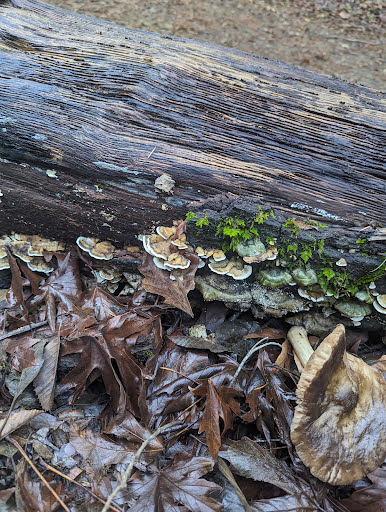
(110, 109)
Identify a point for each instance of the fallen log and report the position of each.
(92, 113)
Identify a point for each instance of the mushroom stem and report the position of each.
(297, 336)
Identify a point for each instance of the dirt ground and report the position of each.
(341, 38)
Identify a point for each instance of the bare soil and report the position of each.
(341, 38)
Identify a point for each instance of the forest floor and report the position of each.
(341, 38)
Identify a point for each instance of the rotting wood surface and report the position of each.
(111, 109)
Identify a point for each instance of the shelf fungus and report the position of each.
(380, 304)
(254, 251)
(40, 265)
(30, 249)
(169, 247)
(234, 268)
(274, 277)
(95, 248)
(312, 295)
(4, 264)
(164, 184)
(339, 424)
(341, 263)
(177, 261)
(304, 277)
(356, 311)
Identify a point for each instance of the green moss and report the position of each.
(306, 253)
(234, 230)
(373, 275)
(189, 216)
(290, 224)
(340, 284)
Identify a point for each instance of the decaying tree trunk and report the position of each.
(92, 113)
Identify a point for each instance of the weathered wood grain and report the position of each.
(92, 100)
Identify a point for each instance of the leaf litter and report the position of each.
(81, 399)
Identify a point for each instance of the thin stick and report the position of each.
(257, 346)
(178, 373)
(22, 330)
(20, 449)
(130, 467)
(354, 40)
(54, 470)
(151, 152)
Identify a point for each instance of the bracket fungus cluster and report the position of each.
(169, 249)
(254, 251)
(95, 248)
(339, 425)
(29, 248)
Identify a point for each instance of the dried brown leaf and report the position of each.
(180, 483)
(16, 420)
(100, 304)
(97, 450)
(44, 383)
(95, 361)
(63, 285)
(20, 348)
(29, 373)
(253, 461)
(15, 296)
(268, 332)
(371, 498)
(175, 292)
(35, 495)
(209, 421)
(171, 368)
(220, 402)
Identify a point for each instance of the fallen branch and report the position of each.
(22, 330)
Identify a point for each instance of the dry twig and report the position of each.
(54, 470)
(130, 467)
(22, 452)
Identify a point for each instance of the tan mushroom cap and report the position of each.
(3, 253)
(176, 260)
(157, 246)
(39, 265)
(240, 274)
(4, 264)
(181, 244)
(20, 249)
(165, 231)
(381, 299)
(102, 251)
(220, 267)
(38, 245)
(110, 274)
(339, 425)
(218, 255)
(86, 243)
